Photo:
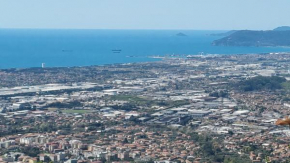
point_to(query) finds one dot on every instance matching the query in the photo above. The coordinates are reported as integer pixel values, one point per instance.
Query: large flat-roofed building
(198, 113)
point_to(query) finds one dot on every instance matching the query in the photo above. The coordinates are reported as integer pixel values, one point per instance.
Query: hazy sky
(145, 14)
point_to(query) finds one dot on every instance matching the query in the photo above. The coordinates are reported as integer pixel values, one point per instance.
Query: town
(199, 108)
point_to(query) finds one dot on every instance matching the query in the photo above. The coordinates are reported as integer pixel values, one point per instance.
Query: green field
(52, 109)
(127, 98)
(148, 102)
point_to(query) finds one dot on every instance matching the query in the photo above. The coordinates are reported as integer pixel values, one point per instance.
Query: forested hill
(255, 38)
(282, 28)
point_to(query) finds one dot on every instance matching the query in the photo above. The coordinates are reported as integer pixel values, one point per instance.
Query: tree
(125, 141)
(30, 151)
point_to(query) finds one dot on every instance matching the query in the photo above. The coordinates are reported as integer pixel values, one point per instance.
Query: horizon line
(173, 29)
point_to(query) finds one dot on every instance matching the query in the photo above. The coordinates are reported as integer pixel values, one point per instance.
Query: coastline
(70, 48)
(158, 58)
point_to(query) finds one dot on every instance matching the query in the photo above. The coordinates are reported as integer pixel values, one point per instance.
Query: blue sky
(145, 14)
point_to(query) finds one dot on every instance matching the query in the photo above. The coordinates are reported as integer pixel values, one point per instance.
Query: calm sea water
(22, 48)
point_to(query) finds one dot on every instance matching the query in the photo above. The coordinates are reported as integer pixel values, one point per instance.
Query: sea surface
(24, 48)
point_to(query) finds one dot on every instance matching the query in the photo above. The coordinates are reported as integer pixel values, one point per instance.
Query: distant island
(278, 37)
(181, 34)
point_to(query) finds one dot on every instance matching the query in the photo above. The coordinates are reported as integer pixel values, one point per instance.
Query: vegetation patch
(262, 83)
(135, 101)
(286, 85)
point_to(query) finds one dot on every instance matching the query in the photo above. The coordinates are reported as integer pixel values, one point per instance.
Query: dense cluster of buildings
(145, 112)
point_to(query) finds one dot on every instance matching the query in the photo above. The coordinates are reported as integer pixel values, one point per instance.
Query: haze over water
(23, 48)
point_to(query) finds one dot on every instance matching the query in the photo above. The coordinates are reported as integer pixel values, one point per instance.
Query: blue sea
(23, 48)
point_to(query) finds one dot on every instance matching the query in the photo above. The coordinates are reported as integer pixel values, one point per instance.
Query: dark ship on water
(116, 50)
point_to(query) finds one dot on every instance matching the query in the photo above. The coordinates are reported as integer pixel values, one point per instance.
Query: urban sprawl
(204, 108)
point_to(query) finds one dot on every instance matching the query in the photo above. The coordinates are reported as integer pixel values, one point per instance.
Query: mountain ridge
(256, 38)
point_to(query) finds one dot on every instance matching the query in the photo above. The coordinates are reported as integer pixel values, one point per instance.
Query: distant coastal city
(202, 108)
